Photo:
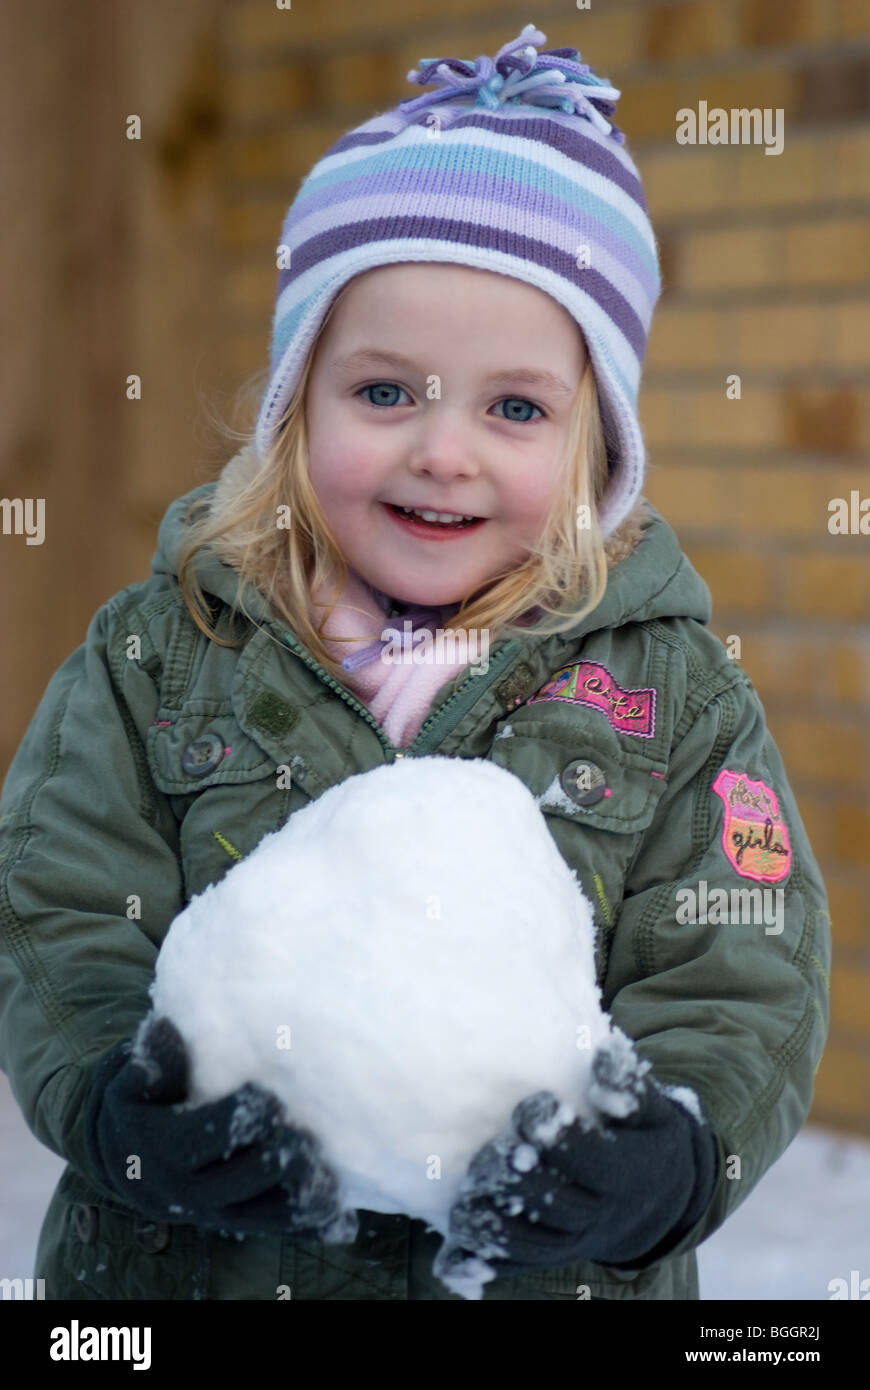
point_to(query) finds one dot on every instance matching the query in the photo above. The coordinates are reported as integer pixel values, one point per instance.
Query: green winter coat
(105, 807)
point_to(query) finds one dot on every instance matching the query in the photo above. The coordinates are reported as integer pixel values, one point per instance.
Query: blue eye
(521, 401)
(381, 386)
(385, 387)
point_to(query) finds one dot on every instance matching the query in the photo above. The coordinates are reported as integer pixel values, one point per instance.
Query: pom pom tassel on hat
(512, 165)
(516, 70)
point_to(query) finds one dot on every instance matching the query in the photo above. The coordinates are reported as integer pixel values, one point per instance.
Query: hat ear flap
(612, 447)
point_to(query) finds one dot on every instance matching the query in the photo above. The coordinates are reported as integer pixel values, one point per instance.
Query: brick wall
(766, 268)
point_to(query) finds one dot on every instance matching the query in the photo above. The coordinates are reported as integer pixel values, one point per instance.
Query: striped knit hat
(514, 166)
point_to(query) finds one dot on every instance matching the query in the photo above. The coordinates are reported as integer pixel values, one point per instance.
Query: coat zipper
(468, 693)
(432, 720)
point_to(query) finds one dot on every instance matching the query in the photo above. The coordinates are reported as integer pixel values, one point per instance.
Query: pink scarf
(397, 693)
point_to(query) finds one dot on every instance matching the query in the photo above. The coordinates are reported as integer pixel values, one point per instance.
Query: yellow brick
(817, 816)
(687, 30)
(648, 109)
(691, 179)
(740, 258)
(835, 252)
(832, 418)
(457, 12)
(852, 825)
(786, 21)
(850, 333)
(853, 18)
(364, 79)
(753, 422)
(849, 902)
(706, 178)
(253, 226)
(656, 415)
(245, 352)
(818, 745)
(685, 337)
(780, 336)
(738, 88)
(706, 419)
(408, 56)
(271, 89)
(850, 990)
(690, 497)
(784, 180)
(728, 326)
(789, 669)
(252, 26)
(837, 481)
(607, 40)
(849, 163)
(777, 665)
(740, 580)
(250, 289)
(864, 418)
(282, 157)
(851, 672)
(254, 156)
(842, 1086)
(778, 502)
(833, 585)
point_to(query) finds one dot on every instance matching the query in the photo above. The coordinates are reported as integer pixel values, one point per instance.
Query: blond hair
(565, 564)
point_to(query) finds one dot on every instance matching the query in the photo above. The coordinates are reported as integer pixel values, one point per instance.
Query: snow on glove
(617, 1192)
(231, 1165)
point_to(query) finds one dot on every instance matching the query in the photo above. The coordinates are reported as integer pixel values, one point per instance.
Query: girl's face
(441, 408)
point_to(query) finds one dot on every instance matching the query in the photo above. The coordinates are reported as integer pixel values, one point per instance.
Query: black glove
(625, 1190)
(231, 1165)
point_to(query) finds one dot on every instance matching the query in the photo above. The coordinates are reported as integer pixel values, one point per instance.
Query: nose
(441, 449)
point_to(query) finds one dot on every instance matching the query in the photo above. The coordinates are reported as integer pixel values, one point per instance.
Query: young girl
(448, 448)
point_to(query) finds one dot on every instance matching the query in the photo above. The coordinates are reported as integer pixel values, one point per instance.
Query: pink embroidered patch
(755, 836)
(590, 683)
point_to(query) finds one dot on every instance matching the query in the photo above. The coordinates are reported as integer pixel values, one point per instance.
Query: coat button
(152, 1236)
(86, 1223)
(584, 782)
(203, 755)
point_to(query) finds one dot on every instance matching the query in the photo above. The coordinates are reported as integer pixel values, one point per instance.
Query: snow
(556, 796)
(401, 977)
(798, 1229)
(685, 1096)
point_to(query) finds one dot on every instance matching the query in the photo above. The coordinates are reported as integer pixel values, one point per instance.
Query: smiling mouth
(406, 514)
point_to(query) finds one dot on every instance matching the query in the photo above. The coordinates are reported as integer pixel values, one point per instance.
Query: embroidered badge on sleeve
(590, 683)
(755, 836)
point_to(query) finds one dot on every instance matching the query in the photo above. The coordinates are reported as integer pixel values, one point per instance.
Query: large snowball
(403, 962)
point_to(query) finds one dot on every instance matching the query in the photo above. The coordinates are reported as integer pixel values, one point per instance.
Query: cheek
(342, 470)
(528, 494)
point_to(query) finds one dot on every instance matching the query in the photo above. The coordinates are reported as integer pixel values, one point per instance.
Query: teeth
(435, 516)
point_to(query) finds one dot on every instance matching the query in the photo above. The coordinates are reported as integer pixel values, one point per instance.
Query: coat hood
(648, 574)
